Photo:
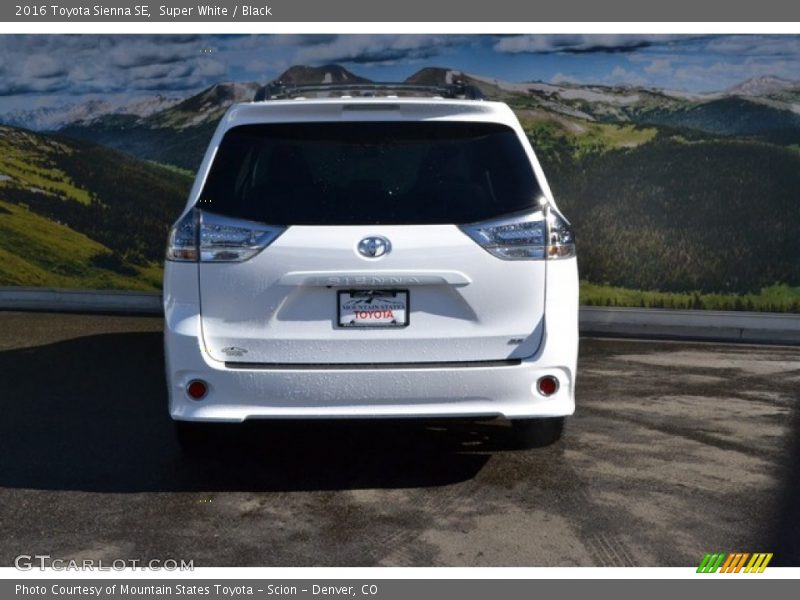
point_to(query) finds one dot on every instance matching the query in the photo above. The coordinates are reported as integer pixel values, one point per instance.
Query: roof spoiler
(277, 90)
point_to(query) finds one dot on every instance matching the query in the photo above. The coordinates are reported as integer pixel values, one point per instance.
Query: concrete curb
(745, 327)
(82, 301)
(728, 326)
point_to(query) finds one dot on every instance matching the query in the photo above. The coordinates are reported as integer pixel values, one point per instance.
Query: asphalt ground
(677, 449)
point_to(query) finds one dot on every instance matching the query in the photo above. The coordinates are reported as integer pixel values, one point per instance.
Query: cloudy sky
(42, 70)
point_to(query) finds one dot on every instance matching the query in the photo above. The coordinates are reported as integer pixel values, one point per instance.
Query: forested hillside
(674, 215)
(81, 215)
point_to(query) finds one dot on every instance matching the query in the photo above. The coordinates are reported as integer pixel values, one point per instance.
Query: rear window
(390, 173)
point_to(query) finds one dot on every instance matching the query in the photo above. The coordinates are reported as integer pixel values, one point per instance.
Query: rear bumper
(236, 394)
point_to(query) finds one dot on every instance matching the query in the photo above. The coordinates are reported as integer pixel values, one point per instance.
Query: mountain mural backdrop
(678, 199)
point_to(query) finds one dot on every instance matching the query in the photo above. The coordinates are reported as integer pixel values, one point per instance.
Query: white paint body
(502, 324)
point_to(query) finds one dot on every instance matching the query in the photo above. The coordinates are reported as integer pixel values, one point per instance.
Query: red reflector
(196, 389)
(547, 385)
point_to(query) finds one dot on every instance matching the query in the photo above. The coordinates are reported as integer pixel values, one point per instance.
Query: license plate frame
(388, 300)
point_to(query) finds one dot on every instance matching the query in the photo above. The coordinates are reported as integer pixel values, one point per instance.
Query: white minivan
(377, 252)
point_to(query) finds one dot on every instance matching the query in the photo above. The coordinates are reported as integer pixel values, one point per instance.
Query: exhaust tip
(197, 389)
(547, 385)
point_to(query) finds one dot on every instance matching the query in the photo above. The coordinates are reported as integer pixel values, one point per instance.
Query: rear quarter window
(357, 173)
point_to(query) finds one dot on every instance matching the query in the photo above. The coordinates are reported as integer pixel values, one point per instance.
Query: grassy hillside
(775, 298)
(75, 214)
(562, 138)
(26, 161)
(35, 251)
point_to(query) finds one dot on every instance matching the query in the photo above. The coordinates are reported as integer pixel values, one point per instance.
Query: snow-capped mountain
(204, 107)
(176, 131)
(304, 75)
(764, 86)
(52, 118)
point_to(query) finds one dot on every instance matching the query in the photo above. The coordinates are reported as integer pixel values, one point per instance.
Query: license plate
(373, 308)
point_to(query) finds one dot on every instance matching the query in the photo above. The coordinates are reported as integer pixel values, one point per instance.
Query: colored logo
(735, 562)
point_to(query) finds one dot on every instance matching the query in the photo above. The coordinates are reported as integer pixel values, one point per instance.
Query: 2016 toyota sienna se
(371, 254)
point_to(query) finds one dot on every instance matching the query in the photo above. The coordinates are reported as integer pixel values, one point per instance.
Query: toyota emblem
(374, 247)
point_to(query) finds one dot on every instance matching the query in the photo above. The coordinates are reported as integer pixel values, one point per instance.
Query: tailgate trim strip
(479, 364)
(374, 278)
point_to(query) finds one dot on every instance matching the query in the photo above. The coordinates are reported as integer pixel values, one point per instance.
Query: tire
(536, 433)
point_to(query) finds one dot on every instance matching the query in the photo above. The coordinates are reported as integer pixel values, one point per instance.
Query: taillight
(214, 238)
(560, 238)
(182, 241)
(536, 235)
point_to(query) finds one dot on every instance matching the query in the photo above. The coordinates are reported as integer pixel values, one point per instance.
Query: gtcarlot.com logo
(27, 562)
(735, 562)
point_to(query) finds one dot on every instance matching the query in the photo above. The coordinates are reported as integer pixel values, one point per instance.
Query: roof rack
(277, 90)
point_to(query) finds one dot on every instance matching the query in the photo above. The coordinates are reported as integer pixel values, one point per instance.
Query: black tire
(536, 433)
